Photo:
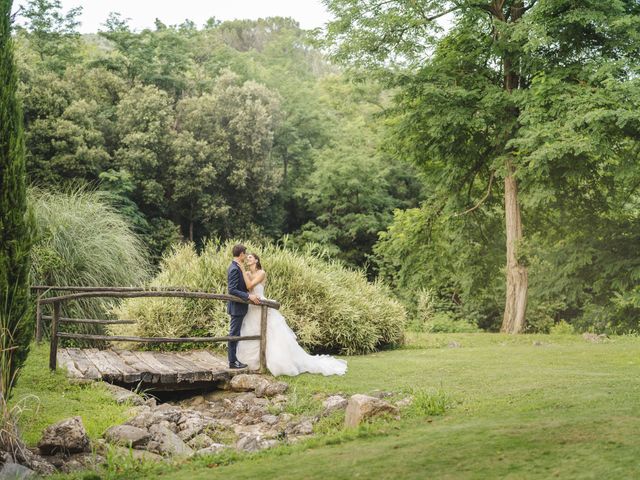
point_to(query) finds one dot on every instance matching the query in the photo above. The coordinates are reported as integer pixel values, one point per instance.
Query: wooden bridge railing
(134, 292)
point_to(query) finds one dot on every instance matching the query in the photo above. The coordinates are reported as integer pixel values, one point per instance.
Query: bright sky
(142, 13)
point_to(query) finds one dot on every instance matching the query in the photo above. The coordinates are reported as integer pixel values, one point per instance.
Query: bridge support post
(53, 352)
(263, 340)
(38, 318)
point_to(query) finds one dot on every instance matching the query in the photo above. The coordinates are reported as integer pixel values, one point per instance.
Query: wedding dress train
(284, 355)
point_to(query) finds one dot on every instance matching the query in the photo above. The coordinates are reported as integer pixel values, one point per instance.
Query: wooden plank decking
(159, 370)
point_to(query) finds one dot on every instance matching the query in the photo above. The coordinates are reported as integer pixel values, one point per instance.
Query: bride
(284, 355)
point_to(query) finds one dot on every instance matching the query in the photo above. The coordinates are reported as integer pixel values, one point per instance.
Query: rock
(167, 413)
(141, 455)
(211, 449)
(269, 419)
(68, 436)
(248, 382)
(381, 394)
(454, 344)
(82, 461)
(194, 402)
(151, 402)
(249, 443)
(247, 430)
(279, 399)
(122, 395)
(190, 426)
(271, 389)
(15, 471)
(127, 435)
(30, 460)
(303, 428)
(164, 442)
(334, 403)
(363, 407)
(200, 442)
(594, 338)
(405, 402)
(252, 443)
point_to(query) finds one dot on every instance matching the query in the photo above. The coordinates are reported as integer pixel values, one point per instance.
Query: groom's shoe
(237, 364)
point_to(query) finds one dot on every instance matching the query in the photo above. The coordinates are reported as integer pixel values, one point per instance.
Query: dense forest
(262, 131)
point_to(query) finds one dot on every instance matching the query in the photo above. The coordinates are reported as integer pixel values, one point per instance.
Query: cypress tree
(16, 319)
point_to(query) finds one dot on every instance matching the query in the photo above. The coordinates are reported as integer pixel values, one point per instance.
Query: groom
(237, 310)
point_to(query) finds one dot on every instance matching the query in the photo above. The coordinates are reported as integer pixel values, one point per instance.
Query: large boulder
(127, 435)
(246, 382)
(364, 407)
(67, 436)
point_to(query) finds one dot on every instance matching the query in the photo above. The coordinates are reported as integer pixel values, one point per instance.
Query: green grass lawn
(564, 408)
(41, 398)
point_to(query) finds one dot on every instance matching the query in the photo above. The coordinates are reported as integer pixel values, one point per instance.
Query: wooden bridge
(149, 369)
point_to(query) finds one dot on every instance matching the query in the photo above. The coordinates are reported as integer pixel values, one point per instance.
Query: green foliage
(562, 328)
(351, 201)
(82, 240)
(329, 307)
(429, 402)
(52, 33)
(209, 133)
(548, 89)
(46, 397)
(16, 223)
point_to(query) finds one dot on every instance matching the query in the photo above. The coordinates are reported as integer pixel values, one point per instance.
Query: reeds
(83, 241)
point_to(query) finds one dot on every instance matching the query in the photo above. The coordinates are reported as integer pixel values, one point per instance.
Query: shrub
(562, 328)
(433, 317)
(444, 322)
(427, 403)
(83, 241)
(331, 308)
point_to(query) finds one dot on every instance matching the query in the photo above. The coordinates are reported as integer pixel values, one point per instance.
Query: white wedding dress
(284, 355)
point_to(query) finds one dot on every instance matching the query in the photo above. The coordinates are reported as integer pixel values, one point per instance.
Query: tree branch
(441, 14)
(482, 200)
(13, 16)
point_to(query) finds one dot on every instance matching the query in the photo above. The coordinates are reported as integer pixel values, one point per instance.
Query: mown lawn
(521, 407)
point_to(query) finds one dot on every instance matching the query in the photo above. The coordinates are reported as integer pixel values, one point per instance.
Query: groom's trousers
(234, 331)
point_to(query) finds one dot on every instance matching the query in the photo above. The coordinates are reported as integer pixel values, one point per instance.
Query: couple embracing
(246, 279)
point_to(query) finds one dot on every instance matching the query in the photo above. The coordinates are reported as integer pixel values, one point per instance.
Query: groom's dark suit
(237, 287)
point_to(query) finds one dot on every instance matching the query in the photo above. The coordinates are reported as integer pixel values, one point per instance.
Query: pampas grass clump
(83, 241)
(331, 308)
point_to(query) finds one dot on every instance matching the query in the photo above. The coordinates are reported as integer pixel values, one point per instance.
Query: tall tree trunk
(517, 275)
(515, 306)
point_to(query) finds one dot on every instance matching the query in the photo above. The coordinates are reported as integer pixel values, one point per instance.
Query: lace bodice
(258, 290)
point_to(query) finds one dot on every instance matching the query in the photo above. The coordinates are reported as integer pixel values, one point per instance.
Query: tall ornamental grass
(83, 241)
(331, 308)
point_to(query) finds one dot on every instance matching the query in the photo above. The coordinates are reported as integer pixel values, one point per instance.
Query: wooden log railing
(135, 292)
(41, 290)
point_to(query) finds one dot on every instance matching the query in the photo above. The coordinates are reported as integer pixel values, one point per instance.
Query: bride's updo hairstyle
(258, 264)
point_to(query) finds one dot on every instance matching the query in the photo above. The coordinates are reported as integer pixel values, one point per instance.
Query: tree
(52, 33)
(464, 95)
(355, 186)
(16, 321)
(146, 117)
